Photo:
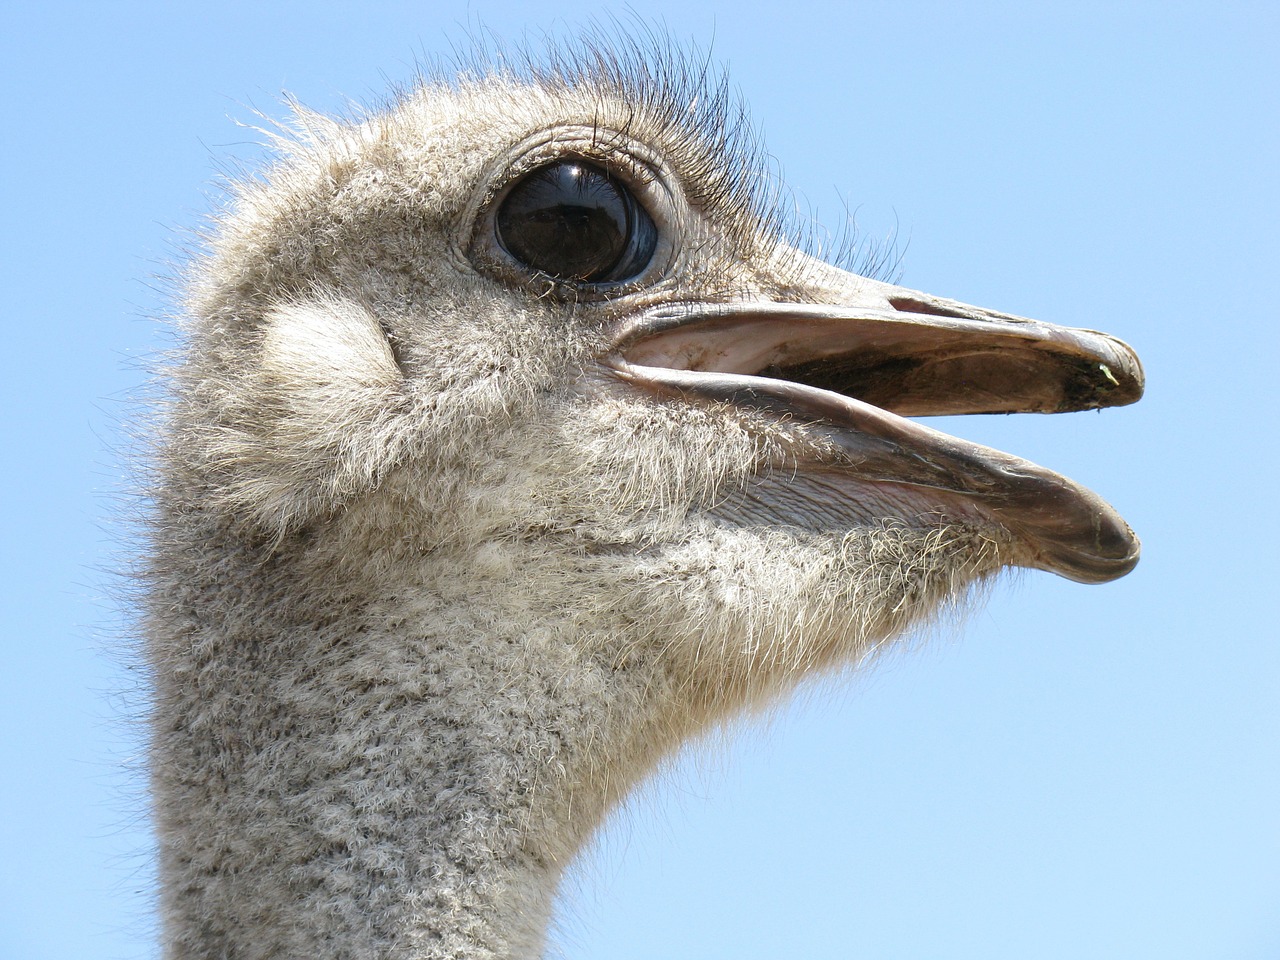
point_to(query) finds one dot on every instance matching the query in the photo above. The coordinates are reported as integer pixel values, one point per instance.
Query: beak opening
(850, 373)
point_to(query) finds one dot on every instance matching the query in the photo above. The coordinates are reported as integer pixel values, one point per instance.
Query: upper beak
(908, 352)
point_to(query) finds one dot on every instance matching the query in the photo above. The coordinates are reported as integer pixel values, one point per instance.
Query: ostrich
(512, 445)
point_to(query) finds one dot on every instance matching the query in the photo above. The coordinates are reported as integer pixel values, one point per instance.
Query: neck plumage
(370, 743)
(403, 775)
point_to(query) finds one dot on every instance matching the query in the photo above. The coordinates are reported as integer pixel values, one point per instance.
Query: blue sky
(1073, 772)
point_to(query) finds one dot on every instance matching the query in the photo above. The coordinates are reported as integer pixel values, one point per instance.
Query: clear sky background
(1076, 772)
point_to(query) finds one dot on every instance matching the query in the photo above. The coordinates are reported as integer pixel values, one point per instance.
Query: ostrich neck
(398, 773)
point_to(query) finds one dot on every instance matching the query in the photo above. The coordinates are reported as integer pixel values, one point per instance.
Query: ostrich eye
(576, 223)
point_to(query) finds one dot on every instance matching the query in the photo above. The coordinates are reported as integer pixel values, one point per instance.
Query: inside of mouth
(923, 385)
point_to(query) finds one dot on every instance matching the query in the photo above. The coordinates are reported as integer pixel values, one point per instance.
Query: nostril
(909, 305)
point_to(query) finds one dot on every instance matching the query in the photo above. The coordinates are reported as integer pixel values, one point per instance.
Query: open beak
(855, 369)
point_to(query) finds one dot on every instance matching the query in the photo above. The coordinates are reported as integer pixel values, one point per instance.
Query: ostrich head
(512, 445)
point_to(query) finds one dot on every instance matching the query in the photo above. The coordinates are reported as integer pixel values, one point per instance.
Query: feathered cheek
(317, 418)
(328, 345)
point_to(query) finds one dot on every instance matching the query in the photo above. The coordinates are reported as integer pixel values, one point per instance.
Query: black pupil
(574, 222)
